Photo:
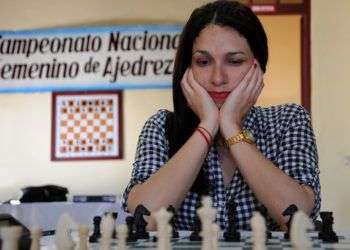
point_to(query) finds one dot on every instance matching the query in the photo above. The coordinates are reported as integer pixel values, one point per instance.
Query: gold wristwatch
(244, 135)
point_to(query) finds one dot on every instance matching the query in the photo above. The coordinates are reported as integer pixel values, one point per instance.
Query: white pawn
(63, 237)
(258, 226)
(10, 237)
(107, 227)
(35, 234)
(206, 214)
(298, 236)
(162, 217)
(83, 237)
(122, 233)
(215, 236)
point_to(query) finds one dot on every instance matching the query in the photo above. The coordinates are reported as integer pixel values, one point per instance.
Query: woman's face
(220, 59)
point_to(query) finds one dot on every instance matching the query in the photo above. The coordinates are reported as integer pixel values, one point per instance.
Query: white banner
(89, 58)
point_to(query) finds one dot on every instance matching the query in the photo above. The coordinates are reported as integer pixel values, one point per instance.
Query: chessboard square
(64, 130)
(70, 123)
(103, 116)
(90, 136)
(76, 129)
(96, 116)
(70, 129)
(110, 115)
(103, 128)
(63, 136)
(103, 135)
(96, 122)
(110, 128)
(103, 122)
(83, 129)
(63, 123)
(76, 136)
(90, 129)
(70, 136)
(70, 116)
(83, 116)
(64, 116)
(83, 123)
(96, 128)
(90, 122)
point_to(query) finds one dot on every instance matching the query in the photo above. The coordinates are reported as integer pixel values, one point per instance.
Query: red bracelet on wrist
(204, 136)
(210, 137)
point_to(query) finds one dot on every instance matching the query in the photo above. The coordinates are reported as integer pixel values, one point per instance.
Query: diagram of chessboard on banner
(86, 125)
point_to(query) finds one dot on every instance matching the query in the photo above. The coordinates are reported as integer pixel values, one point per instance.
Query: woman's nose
(218, 75)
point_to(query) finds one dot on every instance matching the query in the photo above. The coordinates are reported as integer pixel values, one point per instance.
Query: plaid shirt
(283, 134)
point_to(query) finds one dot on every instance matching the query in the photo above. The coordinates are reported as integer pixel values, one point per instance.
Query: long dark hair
(182, 122)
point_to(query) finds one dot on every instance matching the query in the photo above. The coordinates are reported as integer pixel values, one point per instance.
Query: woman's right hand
(200, 102)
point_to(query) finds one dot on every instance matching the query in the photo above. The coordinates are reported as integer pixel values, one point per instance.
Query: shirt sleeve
(298, 152)
(151, 152)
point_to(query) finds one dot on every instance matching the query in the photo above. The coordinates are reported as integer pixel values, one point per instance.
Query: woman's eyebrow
(231, 53)
(204, 52)
(235, 53)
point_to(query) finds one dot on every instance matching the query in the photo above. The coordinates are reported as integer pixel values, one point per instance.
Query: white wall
(331, 102)
(26, 118)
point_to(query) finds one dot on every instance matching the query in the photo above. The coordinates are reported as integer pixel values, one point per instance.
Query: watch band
(243, 135)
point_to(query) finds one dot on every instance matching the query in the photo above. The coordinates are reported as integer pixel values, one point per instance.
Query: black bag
(45, 193)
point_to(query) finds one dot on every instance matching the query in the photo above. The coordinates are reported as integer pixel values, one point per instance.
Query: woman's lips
(219, 95)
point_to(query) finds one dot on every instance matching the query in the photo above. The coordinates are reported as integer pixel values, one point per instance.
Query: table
(46, 214)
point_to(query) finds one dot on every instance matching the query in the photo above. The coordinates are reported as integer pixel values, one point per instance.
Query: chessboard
(277, 242)
(86, 125)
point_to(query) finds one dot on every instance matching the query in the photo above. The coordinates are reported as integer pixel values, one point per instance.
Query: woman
(216, 142)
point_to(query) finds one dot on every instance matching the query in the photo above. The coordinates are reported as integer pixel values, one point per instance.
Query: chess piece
(194, 236)
(83, 237)
(130, 223)
(263, 211)
(35, 234)
(163, 217)
(97, 230)
(301, 223)
(10, 237)
(232, 233)
(107, 227)
(289, 211)
(175, 234)
(215, 236)
(140, 223)
(327, 233)
(63, 237)
(122, 235)
(115, 218)
(258, 226)
(206, 214)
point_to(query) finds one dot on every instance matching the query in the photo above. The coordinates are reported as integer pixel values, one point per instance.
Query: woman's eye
(235, 61)
(202, 62)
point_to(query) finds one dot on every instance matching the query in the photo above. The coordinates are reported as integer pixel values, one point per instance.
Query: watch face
(249, 135)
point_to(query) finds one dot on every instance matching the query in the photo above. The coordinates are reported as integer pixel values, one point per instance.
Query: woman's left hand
(240, 101)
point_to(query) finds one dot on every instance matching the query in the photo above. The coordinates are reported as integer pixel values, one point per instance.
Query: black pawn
(232, 234)
(115, 218)
(97, 230)
(175, 233)
(197, 227)
(140, 223)
(130, 223)
(263, 211)
(289, 211)
(327, 233)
